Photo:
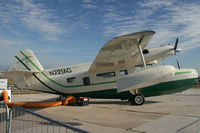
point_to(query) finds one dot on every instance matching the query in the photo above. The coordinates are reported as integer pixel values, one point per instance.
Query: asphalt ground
(175, 113)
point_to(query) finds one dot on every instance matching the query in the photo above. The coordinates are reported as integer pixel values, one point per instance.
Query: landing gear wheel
(138, 99)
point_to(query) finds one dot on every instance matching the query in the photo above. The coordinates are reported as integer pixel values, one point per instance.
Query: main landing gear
(137, 99)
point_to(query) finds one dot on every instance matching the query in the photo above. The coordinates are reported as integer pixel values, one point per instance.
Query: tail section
(25, 60)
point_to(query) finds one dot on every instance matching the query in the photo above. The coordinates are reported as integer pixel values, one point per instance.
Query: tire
(138, 99)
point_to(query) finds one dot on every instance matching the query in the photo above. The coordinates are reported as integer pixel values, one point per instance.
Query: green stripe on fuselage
(185, 72)
(38, 78)
(61, 85)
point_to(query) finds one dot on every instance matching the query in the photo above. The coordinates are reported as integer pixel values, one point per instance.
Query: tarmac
(175, 113)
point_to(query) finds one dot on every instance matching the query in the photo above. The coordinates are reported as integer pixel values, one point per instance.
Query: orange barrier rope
(68, 100)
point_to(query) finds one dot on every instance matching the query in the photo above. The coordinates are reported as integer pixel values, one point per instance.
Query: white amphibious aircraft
(113, 73)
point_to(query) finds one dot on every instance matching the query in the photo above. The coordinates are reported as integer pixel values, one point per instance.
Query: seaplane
(112, 75)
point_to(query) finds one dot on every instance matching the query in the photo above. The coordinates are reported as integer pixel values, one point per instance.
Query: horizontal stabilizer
(11, 74)
(145, 77)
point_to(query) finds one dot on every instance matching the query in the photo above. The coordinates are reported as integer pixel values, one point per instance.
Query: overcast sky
(66, 32)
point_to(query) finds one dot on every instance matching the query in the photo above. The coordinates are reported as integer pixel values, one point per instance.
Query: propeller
(175, 51)
(178, 63)
(175, 46)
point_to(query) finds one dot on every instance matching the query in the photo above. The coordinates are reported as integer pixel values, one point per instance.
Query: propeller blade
(176, 44)
(178, 63)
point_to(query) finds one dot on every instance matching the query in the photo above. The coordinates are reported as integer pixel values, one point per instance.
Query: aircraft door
(86, 81)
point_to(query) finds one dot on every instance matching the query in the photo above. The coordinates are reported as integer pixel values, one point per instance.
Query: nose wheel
(137, 99)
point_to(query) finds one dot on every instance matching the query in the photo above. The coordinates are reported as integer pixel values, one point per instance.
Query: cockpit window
(145, 51)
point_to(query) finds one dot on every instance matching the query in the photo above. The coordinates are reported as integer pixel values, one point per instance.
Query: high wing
(121, 52)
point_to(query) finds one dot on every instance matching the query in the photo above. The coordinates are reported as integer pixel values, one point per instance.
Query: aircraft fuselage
(77, 81)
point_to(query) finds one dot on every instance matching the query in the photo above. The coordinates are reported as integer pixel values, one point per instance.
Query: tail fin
(26, 60)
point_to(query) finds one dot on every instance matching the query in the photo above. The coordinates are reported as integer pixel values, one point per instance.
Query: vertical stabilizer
(26, 60)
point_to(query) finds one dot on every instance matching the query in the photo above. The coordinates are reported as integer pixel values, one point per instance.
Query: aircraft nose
(195, 73)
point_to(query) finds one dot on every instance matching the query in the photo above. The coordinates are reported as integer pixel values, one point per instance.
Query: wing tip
(136, 34)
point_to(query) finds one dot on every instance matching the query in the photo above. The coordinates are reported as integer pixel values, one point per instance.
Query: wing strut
(140, 49)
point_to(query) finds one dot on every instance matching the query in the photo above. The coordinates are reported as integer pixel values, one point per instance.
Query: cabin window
(106, 75)
(138, 67)
(123, 72)
(86, 81)
(145, 51)
(70, 80)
